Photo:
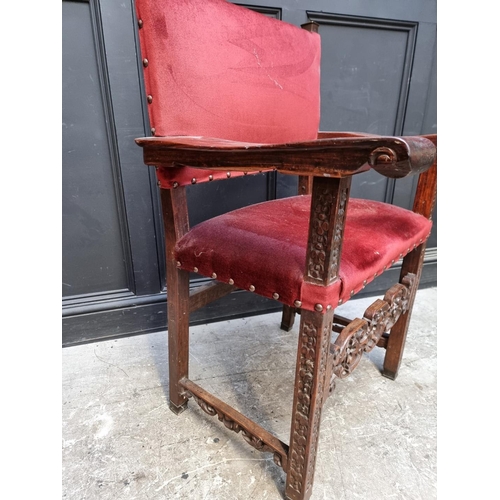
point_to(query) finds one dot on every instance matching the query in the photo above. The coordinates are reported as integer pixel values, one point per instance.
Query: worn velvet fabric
(227, 72)
(264, 246)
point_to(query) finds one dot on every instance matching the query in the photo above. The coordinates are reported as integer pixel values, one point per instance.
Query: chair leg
(287, 318)
(178, 334)
(412, 263)
(310, 387)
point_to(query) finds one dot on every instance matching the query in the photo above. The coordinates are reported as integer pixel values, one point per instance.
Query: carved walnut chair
(232, 92)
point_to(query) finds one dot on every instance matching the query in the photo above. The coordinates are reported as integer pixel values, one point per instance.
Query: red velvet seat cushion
(215, 69)
(264, 246)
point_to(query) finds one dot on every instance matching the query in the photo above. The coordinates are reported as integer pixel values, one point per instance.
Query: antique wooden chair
(232, 92)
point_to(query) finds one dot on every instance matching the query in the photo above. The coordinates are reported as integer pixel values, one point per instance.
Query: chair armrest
(335, 155)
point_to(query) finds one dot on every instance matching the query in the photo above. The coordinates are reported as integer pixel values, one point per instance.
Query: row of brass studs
(194, 180)
(210, 178)
(251, 288)
(317, 307)
(145, 63)
(383, 269)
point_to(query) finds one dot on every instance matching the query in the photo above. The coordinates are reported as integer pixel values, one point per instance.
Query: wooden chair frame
(325, 167)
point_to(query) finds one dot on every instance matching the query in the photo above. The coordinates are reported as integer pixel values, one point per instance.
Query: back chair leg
(412, 263)
(287, 318)
(175, 225)
(178, 335)
(311, 385)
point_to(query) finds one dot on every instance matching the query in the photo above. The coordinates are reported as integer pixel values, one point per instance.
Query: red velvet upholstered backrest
(215, 69)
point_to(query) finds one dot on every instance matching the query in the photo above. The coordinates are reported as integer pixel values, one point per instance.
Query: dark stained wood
(305, 184)
(205, 294)
(175, 216)
(326, 229)
(383, 341)
(362, 335)
(331, 135)
(309, 395)
(341, 320)
(287, 318)
(253, 433)
(412, 263)
(178, 333)
(394, 157)
(425, 196)
(312, 26)
(425, 199)
(176, 224)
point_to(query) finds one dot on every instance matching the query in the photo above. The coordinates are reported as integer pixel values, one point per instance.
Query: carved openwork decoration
(229, 423)
(319, 242)
(362, 335)
(306, 417)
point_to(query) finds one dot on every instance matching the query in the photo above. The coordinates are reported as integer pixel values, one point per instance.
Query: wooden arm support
(334, 154)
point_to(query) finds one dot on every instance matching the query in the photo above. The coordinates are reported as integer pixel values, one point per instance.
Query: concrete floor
(121, 442)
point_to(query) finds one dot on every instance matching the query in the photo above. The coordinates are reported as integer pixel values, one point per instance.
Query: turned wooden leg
(287, 318)
(310, 384)
(412, 263)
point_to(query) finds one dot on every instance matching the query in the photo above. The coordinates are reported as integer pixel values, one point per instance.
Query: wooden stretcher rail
(252, 433)
(208, 293)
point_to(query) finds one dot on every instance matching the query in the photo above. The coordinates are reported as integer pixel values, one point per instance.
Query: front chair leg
(178, 334)
(310, 384)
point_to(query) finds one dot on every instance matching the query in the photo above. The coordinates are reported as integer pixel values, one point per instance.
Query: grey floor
(120, 440)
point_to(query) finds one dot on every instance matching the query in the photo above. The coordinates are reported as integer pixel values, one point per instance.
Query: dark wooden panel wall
(378, 76)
